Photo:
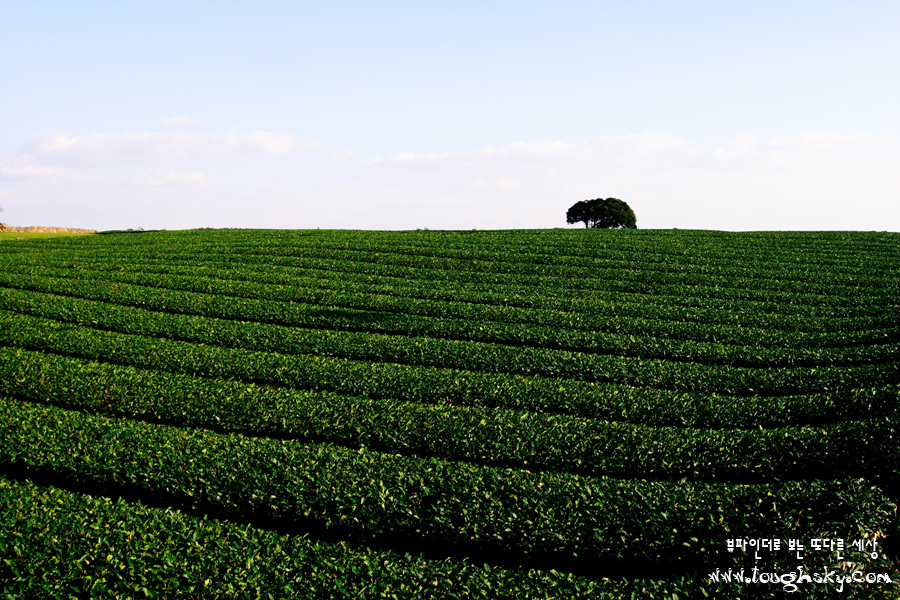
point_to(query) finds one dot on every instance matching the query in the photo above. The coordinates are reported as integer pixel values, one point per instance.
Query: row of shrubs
(424, 350)
(544, 520)
(434, 385)
(845, 294)
(519, 337)
(535, 326)
(536, 441)
(57, 543)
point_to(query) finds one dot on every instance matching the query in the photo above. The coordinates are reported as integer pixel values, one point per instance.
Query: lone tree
(611, 213)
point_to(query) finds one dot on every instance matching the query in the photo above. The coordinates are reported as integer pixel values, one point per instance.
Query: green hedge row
(484, 435)
(702, 309)
(706, 309)
(59, 544)
(772, 250)
(636, 274)
(520, 304)
(368, 497)
(662, 293)
(296, 314)
(429, 351)
(869, 276)
(750, 327)
(441, 385)
(521, 259)
(529, 259)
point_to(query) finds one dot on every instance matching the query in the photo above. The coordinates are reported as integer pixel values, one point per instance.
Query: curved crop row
(669, 270)
(367, 299)
(56, 543)
(652, 373)
(484, 435)
(666, 293)
(634, 273)
(539, 258)
(517, 301)
(433, 385)
(369, 497)
(461, 326)
(420, 350)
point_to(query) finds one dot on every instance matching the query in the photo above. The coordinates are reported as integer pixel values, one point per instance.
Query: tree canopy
(611, 213)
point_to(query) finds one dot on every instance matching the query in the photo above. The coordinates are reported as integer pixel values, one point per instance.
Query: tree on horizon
(611, 213)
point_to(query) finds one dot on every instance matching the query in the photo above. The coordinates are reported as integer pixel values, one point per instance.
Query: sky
(739, 115)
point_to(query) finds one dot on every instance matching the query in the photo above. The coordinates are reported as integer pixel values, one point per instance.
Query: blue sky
(400, 115)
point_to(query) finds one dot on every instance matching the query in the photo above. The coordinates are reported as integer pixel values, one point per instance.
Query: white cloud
(651, 153)
(634, 149)
(171, 178)
(99, 149)
(743, 183)
(833, 151)
(341, 156)
(25, 167)
(180, 121)
(264, 142)
(791, 182)
(313, 146)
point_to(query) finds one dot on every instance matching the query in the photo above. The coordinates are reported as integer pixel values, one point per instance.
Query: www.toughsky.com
(793, 579)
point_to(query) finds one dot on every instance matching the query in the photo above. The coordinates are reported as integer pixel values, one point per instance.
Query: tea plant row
(491, 304)
(442, 385)
(485, 435)
(606, 336)
(546, 519)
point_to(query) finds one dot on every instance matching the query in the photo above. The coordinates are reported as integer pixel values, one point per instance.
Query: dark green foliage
(609, 407)
(60, 544)
(611, 213)
(482, 435)
(854, 397)
(367, 496)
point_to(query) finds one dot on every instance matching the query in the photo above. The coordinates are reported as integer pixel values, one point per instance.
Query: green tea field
(570, 413)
